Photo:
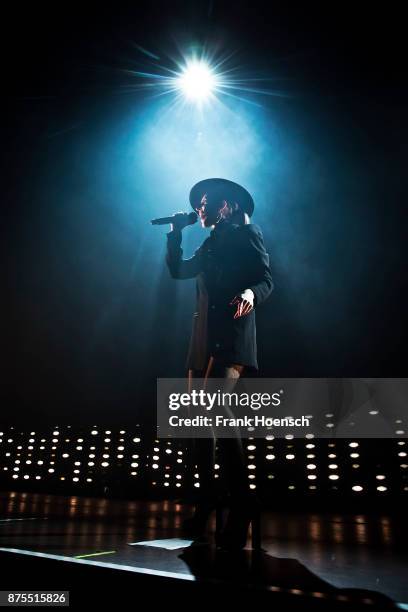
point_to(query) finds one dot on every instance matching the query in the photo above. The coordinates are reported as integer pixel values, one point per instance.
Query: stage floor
(314, 553)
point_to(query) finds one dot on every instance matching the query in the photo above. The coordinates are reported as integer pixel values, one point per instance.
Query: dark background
(90, 316)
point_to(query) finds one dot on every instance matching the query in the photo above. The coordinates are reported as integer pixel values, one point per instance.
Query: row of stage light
(85, 458)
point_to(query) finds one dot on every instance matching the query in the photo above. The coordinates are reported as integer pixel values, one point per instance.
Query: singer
(233, 279)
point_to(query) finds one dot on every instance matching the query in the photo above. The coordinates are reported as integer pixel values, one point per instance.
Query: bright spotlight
(197, 81)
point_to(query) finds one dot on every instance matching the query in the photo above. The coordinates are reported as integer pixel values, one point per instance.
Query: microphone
(190, 219)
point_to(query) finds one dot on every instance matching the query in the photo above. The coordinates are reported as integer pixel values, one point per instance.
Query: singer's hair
(237, 216)
(240, 217)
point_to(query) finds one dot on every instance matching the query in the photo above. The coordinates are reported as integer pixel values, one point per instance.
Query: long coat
(233, 258)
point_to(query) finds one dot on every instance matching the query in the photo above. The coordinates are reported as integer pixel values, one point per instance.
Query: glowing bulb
(197, 82)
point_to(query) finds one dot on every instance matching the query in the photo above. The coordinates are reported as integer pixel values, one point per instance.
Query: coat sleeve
(260, 267)
(179, 267)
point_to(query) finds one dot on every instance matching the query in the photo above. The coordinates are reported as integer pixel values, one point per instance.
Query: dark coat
(233, 258)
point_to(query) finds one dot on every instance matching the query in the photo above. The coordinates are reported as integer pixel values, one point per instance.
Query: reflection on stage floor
(314, 553)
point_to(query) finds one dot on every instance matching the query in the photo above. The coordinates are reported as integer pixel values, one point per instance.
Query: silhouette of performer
(233, 278)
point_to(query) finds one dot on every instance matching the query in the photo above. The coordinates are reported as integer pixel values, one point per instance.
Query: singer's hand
(245, 303)
(181, 220)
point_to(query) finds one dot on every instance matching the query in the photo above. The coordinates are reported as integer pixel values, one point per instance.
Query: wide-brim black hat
(226, 190)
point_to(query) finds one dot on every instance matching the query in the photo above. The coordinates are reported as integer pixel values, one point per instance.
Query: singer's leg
(230, 450)
(203, 452)
(202, 459)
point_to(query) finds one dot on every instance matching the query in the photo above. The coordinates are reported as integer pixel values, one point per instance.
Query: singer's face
(209, 210)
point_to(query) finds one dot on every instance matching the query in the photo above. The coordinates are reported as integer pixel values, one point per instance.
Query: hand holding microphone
(178, 220)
